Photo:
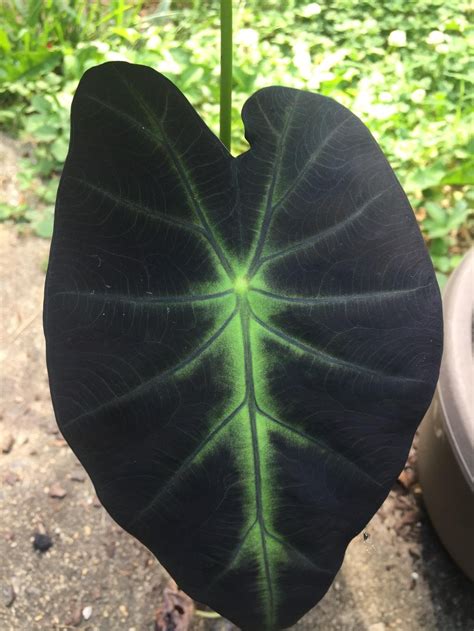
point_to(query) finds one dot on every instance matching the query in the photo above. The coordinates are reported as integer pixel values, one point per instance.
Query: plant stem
(226, 73)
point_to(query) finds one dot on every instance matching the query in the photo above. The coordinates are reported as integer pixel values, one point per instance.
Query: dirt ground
(95, 577)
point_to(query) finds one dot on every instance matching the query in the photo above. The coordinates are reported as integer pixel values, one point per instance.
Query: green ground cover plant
(403, 67)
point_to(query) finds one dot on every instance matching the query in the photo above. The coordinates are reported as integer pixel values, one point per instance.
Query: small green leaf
(44, 227)
(59, 149)
(426, 178)
(462, 175)
(436, 212)
(7, 211)
(41, 104)
(4, 41)
(442, 279)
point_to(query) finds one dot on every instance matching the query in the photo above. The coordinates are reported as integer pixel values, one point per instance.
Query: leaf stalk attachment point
(241, 285)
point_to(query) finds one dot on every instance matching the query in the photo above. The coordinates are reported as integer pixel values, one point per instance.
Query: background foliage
(402, 66)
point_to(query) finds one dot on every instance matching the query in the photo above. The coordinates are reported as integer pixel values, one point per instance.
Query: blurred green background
(401, 65)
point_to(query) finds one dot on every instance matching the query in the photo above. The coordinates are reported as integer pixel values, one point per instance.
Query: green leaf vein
(325, 358)
(323, 448)
(183, 468)
(157, 379)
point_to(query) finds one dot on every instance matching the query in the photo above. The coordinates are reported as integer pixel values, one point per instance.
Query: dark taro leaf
(239, 349)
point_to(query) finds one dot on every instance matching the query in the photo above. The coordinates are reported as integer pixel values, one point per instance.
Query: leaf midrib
(252, 409)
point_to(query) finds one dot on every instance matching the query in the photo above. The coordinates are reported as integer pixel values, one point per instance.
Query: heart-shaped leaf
(239, 349)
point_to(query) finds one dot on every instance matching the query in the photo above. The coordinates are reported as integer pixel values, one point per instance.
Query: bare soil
(95, 577)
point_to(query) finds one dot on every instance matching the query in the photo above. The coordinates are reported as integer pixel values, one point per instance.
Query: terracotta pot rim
(457, 371)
